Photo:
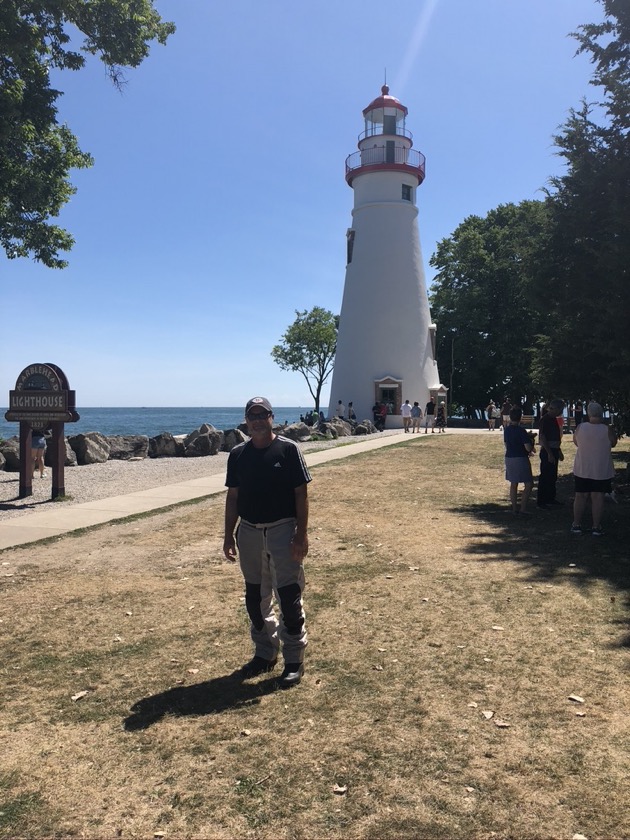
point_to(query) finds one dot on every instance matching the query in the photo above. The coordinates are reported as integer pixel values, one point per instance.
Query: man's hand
(299, 548)
(560, 454)
(229, 549)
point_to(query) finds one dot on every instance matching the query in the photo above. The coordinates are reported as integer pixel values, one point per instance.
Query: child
(518, 470)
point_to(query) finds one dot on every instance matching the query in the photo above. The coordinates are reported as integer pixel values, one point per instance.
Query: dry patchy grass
(415, 562)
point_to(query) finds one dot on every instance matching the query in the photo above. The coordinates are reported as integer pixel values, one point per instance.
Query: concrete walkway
(60, 519)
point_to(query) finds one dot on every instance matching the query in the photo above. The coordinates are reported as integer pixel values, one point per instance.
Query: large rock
(126, 447)
(365, 427)
(296, 431)
(327, 431)
(11, 450)
(70, 460)
(232, 438)
(165, 445)
(343, 428)
(90, 448)
(206, 440)
(3, 461)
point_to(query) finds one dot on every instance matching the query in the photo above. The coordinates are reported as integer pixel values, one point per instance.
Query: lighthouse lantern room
(386, 341)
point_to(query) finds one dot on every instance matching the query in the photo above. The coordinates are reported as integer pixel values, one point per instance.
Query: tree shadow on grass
(206, 698)
(543, 544)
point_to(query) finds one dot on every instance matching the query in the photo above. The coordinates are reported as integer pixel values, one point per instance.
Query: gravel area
(115, 478)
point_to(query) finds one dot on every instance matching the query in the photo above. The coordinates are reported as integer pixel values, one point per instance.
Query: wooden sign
(42, 400)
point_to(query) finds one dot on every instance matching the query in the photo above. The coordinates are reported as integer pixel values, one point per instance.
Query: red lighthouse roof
(385, 101)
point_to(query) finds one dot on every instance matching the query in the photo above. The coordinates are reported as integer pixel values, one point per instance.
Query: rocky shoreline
(118, 477)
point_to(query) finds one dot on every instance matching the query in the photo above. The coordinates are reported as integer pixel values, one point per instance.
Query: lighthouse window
(389, 124)
(406, 192)
(350, 242)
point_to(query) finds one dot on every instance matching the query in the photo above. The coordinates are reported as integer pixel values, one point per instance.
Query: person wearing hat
(267, 480)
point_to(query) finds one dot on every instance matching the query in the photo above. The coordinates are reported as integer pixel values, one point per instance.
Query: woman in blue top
(518, 470)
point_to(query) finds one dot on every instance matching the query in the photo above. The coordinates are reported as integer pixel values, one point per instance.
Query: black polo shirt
(550, 429)
(266, 479)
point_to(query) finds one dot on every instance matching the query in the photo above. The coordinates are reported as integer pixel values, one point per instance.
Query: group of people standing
(434, 416)
(593, 467)
(500, 413)
(412, 415)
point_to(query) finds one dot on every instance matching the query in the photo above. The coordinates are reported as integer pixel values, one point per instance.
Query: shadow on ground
(24, 504)
(206, 698)
(545, 546)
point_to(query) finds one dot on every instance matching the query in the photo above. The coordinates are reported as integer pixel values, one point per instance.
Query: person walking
(429, 415)
(593, 468)
(518, 469)
(440, 418)
(38, 452)
(416, 417)
(405, 410)
(550, 439)
(267, 481)
(505, 412)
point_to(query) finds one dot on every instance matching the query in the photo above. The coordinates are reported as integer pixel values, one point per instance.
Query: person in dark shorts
(267, 480)
(593, 468)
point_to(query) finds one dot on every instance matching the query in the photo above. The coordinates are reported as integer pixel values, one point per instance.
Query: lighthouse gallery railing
(382, 155)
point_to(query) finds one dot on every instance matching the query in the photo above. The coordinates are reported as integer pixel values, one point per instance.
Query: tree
(482, 300)
(36, 152)
(309, 346)
(585, 351)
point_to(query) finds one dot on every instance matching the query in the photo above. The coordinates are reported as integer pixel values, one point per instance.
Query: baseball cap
(258, 401)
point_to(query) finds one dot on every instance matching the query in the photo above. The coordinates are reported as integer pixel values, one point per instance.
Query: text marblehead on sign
(41, 397)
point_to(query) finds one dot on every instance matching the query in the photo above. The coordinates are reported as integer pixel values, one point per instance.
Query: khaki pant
(266, 563)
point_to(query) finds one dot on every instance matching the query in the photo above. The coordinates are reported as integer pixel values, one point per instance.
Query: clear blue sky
(217, 204)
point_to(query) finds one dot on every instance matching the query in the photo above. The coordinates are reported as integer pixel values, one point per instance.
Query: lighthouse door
(390, 151)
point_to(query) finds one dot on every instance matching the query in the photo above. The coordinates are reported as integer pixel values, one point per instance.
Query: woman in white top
(593, 468)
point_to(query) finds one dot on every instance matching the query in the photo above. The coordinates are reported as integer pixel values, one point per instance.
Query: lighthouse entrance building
(386, 341)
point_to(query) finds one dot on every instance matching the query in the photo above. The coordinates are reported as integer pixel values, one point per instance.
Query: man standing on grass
(549, 438)
(416, 417)
(405, 410)
(267, 482)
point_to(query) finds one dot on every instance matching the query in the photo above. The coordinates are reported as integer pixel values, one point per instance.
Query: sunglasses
(258, 415)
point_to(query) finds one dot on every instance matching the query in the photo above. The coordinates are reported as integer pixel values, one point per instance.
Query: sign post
(42, 400)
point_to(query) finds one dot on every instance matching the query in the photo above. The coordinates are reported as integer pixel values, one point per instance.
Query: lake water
(152, 421)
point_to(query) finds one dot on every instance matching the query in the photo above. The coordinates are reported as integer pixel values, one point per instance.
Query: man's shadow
(204, 698)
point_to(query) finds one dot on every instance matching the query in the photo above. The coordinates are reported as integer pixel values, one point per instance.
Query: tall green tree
(584, 350)
(308, 347)
(482, 301)
(36, 151)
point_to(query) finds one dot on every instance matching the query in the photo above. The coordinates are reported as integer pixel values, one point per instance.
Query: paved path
(60, 519)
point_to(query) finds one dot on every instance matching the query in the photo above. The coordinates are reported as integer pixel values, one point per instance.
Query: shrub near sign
(42, 400)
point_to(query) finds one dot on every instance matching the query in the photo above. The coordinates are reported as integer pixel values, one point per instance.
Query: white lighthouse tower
(386, 341)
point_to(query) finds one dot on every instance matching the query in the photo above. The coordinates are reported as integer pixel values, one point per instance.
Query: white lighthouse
(386, 341)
